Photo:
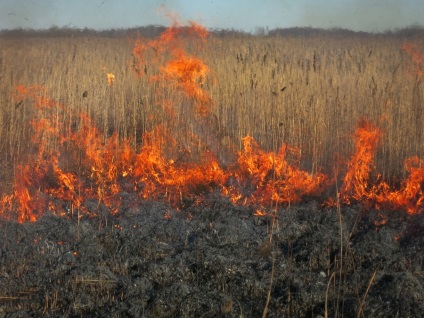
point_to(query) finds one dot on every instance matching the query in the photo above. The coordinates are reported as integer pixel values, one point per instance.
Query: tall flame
(361, 187)
(356, 183)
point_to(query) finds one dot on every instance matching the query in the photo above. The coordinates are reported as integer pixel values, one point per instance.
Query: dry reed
(308, 92)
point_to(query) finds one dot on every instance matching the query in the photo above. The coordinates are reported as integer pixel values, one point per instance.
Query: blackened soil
(214, 260)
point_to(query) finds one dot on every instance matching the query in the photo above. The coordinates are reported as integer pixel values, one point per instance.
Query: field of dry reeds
(308, 91)
(102, 130)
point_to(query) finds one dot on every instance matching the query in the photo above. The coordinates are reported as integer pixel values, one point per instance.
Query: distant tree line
(151, 31)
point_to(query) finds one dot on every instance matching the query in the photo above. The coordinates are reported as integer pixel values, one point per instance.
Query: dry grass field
(307, 91)
(185, 174)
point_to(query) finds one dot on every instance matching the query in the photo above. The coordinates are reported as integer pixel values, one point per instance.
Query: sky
(246, 15)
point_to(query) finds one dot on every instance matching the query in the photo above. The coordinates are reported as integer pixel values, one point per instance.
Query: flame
(43, 185)
(110, 78)
(356, 183)
(268, 177)
(410, 196)
(260, 212)
(359, 186)
(170, 42)
(188, 73)
(72, 161)
(159, 177)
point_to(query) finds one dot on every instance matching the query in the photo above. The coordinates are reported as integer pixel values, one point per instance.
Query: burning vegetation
(70, 161)
(167, 207)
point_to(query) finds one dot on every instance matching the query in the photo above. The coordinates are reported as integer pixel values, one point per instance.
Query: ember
(110, 78)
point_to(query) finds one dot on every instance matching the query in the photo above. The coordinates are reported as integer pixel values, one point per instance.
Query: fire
(164, 178)
(356, 183)
(43, 185)
(97, 167)
(267, 177)
(359, 186)
(411, 194)
(72, 161)
(188, 73)
(260, 212)
(110, 78)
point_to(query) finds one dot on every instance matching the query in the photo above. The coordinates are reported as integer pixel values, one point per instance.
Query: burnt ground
(214, 260)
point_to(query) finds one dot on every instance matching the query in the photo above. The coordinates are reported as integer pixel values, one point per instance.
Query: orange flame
(110, 78)
(270, 178)
(164, 178)
(189, 73)
(169, 41)
(359, 186)
(411, 194)
(260, 212)
(43, 185)
(186, 72)
(356, 181)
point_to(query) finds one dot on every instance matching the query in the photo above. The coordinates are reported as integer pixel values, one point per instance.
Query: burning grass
(101, 169)
(362, 184)
(173, 219)
(71, 160)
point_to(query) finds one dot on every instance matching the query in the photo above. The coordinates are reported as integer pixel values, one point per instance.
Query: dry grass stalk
(306, 92)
